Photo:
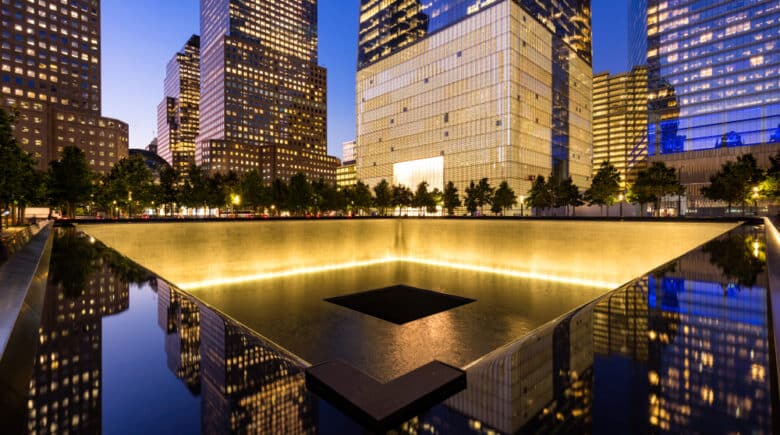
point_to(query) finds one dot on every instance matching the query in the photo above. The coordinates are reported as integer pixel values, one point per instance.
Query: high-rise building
(458, 90)
(50, 76)
(263, 101)
(348, 151)
(177, 114)
(620, 122)
(712, 72)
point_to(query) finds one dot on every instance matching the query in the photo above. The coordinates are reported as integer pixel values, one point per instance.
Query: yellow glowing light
(391, 259)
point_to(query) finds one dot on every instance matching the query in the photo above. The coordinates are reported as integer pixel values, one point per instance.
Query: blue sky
(140, 36)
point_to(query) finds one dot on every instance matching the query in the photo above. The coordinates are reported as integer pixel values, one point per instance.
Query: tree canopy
(654, 183)
(735, 181)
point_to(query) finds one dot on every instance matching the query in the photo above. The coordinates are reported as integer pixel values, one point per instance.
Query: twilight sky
(141, 36)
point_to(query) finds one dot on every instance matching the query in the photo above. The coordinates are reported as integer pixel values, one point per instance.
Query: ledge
(23, 282)
(383, 406)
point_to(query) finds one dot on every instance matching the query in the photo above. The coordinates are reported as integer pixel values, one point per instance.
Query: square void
(400, 304)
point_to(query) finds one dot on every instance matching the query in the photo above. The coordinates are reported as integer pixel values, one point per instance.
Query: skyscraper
(712, 72)
(464, 89)
(50, 76)
(620, 122)
(177, 114)
(263, 104)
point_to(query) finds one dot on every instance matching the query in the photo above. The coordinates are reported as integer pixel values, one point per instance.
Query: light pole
(621, 197)
(236, 200)
(522, 211)
(755, 200)
(129, 204)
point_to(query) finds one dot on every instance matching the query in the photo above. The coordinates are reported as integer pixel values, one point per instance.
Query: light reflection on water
(682, 349)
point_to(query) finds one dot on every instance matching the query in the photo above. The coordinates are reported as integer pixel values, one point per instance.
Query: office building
(263, 101)
(50, 75)
(460, 90)
(712, 72)
(346, 173)
(178, 112)
(620, 122)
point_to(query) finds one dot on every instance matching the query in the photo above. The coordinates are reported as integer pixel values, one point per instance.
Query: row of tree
(651, 185)
(741, 181)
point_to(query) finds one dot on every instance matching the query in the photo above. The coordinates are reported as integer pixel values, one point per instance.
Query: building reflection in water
(83, 287)
(245, 383)
(686, 348)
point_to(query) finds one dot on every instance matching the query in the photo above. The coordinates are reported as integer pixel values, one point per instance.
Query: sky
(141, 36)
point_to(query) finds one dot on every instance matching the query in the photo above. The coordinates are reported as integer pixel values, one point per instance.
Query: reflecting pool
(683, 348)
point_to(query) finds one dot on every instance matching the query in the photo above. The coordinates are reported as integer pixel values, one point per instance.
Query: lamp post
(621, 197)
(236, 200)
(755, 200)
(130, 204)
(522, 201)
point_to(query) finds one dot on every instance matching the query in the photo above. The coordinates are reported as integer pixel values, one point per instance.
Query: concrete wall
(596, 253)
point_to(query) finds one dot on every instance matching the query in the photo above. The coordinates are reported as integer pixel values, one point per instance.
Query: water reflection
(670, 352)
(65, 388)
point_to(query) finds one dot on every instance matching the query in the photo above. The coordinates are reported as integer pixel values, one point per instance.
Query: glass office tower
(178, 113)
(712, 72)
(458, 90)
(262, 103)
(620, 122)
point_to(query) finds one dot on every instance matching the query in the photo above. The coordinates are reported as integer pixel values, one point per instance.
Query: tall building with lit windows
(458, 90)
(177, 113)
(50, 76)
(263, 101)
(620, 122)
(712, 72)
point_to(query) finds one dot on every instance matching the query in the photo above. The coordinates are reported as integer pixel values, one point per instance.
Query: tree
(359, 198)
(402, 196)
(605, 187)
(383, 197)
(168, 190)
(300, 195)
(654, 183)
(539, 197)
(484, 194)
(129, 183)
(450, 198)
(255, 194)
(566, 193)
(472, 192)
(503, 199)
(423, 200)
(735, 181)
(436, 197)
(70, 180)
(279, 192)
(770, 187)
(16, 172)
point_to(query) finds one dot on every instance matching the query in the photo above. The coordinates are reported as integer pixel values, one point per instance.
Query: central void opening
(400, 304)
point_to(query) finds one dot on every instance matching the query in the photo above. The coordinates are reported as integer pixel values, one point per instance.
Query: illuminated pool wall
(605, 254)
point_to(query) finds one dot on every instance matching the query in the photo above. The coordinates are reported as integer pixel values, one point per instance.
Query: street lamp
(129, 204)
(755, 200)
(621, 197)
(236, 200)
(522, 202)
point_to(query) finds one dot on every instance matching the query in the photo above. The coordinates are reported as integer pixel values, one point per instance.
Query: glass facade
(388, 26)
(713, 69)
(178, 113)
(263, 100)
(50, 75)
(620, 122)
(501, 94)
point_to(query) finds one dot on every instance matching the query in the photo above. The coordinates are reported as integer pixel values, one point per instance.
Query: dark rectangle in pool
(400, 304)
